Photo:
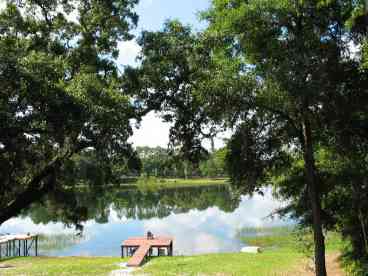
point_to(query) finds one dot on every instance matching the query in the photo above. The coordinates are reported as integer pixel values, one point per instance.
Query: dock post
(36, 246)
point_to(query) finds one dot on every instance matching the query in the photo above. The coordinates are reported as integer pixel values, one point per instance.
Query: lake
(201, 219)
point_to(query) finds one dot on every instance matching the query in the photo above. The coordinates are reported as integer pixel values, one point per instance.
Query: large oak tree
(300, 54)
(60, 91)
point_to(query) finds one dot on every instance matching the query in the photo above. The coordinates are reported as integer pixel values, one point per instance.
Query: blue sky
(153, 13)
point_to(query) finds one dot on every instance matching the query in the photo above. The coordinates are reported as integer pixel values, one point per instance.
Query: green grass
(269, 238)
(286, 237)
(56, 266)
(242, 264)
(166, 183)
(264, 264)
(281, 255)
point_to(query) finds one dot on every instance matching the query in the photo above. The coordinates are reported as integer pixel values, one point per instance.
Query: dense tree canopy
(60, 91)
(168, 80)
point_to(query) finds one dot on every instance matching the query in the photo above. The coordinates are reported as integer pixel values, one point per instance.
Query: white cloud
(22, 225)
(2, 4)
(152, 132)
(129, 51)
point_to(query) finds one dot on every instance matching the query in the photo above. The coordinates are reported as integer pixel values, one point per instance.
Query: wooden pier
(140, 248)
(18, 245)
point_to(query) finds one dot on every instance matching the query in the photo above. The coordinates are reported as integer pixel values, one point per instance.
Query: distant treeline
(160, 162)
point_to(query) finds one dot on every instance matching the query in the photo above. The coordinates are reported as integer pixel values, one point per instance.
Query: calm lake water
(201, 220)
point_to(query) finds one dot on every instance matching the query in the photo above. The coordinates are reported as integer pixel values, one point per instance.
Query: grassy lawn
(234, 264)
(192, 182)
(282, 255)
(55, 266)
(279, 256)
(242, 264)
(165, 183)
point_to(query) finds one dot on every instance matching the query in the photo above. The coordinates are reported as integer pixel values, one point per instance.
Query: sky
(152, 15)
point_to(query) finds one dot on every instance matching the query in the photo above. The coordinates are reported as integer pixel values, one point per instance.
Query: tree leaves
(61, 90)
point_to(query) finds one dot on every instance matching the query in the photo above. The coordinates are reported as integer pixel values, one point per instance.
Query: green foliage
(343, 194)
(355, 267)
(160, 162)
(157, 162)
(285, 85)
(305, 242)
(215, 165)
(61, 91)
(171, 66)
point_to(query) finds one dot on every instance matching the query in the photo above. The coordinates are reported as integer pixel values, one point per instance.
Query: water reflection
(202, 220)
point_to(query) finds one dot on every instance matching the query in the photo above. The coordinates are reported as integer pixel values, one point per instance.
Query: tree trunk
(36, 189)
(185, 170)
(314, 197)
(364, 232)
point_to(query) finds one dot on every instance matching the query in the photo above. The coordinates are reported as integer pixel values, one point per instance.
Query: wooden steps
(139, 255)
(143, 246)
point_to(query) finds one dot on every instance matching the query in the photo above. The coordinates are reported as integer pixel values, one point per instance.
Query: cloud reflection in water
(195, 232)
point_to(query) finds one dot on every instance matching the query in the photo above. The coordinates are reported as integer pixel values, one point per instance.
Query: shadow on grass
(4, 265)
(2, 260)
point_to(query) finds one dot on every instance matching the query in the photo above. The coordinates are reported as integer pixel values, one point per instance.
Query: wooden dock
(141, 247)
(18, 245)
